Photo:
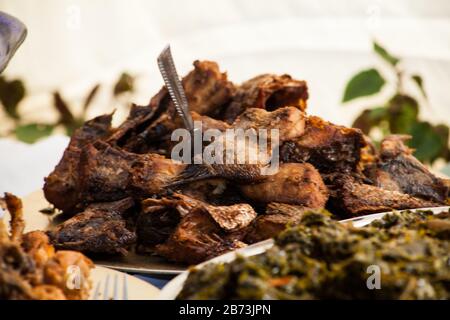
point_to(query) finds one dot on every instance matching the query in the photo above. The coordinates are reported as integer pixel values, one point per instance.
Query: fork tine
(97, 291)
(106, 289)
(125, 288)
(116, 288)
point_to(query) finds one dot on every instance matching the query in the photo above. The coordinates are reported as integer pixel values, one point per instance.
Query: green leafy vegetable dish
(401, 256)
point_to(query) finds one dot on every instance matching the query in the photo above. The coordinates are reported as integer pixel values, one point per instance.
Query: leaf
(11, 93)
(365, 83)
(124, 84)
(32, 132)
(427, 142)
(386, 56)
(65, 115)
(403, 113)
(90, 97)
(419, 81)
(370, 118)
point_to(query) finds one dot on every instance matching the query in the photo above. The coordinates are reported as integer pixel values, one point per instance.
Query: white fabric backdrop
(73, 44)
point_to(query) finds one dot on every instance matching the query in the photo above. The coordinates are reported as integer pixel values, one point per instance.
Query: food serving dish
(174, 287)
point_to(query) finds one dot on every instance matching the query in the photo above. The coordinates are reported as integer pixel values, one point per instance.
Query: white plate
(173, 288)
(136, 289)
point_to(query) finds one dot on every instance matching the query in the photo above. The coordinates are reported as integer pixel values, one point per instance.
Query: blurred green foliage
(400, 113)
(12, 93)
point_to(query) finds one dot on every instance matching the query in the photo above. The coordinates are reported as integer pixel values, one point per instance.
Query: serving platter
(173, 288)
(147, 264)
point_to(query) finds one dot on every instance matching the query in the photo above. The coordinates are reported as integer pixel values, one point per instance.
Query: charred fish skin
(407, 173)
(190, 230)
(61, 187)
(351, 197)
(276, 218)
(100, 228)
(328, 147)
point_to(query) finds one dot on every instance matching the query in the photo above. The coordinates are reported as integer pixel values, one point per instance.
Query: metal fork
(176, 91)
(175, 87)
(107, 294)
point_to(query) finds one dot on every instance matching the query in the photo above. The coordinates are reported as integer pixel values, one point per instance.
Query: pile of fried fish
(402, 256)
(120, 190)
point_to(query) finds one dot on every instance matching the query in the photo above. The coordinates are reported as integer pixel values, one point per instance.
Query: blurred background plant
(400, 113)
(12, 92)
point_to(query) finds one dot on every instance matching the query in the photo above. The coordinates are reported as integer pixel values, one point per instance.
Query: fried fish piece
(156, 222)
(160, 217)
(351, 197)
(100, 228)
(289, 121)
(228, 217)
(328, 147)
(138, 118)
(61, 187)
(242, 156)
(209, 123)
(207, 89)
(197, 238)
(398, 170)
(294, 183)
(267, 91)
(275, 219)
(108, 174)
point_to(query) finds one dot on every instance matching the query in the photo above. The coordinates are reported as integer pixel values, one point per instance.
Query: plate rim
(140, 270)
